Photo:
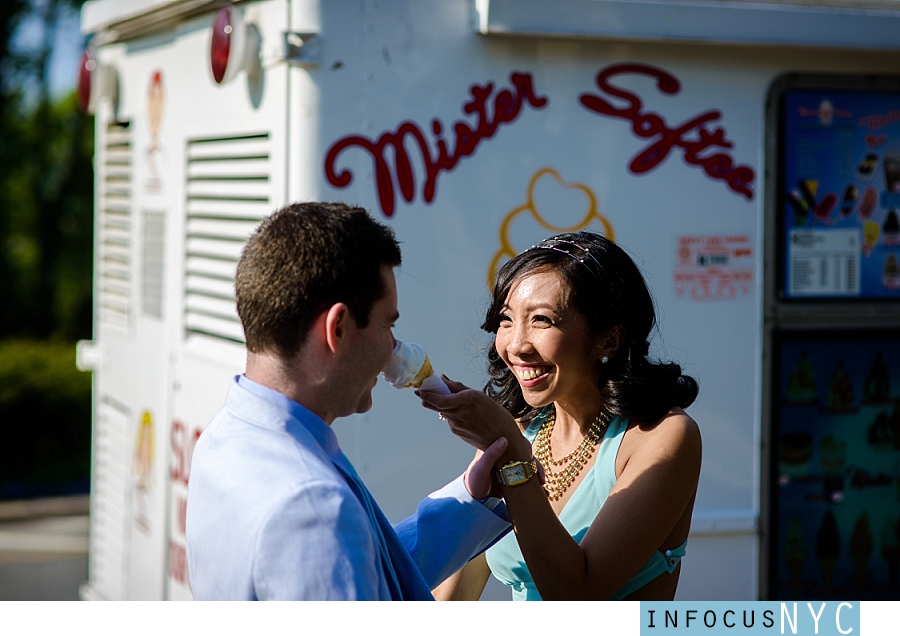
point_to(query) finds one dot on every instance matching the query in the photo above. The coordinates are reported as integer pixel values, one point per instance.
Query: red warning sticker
(717, 267)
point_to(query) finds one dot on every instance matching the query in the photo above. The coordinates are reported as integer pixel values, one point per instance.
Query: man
(275, 509)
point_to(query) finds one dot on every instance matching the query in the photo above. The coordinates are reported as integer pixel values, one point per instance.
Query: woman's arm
(648, 505)
(658, 469)
(467, 584)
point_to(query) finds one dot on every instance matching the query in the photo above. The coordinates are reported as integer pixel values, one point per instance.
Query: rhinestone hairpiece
(554, 244)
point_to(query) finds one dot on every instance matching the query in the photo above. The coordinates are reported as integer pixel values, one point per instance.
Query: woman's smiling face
(547, 343)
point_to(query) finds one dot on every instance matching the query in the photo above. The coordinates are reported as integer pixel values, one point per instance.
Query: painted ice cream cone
(410, 367)
(828, 548)
(861, 546)
(859, 572)
(833, 455)
(827, 568)
(794, 554)
(890, 552)
(795, 568)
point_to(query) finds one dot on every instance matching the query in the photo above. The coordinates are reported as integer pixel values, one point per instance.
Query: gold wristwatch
(515, 473)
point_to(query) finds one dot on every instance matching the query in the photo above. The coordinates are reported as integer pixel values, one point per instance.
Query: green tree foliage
(48, 224)
(46, 184)
(46, 237)
(45, 415)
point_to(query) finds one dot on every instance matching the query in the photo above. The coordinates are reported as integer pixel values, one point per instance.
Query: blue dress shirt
(276, 511)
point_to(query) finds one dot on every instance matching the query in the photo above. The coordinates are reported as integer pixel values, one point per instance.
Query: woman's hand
(478, 420)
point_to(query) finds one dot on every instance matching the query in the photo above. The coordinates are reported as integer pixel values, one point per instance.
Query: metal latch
(304, 49)
(87, 355)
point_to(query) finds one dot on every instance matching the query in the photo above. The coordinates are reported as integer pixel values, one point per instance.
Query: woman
(620, 458)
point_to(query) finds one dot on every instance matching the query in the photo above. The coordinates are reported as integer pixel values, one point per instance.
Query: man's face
(370, 347)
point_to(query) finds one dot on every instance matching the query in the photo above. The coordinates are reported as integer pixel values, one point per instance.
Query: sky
(66, 56)
(66, 53)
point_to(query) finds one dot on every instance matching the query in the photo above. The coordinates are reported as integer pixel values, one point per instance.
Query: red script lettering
(507, 105)
(702, 145)
(182, 444)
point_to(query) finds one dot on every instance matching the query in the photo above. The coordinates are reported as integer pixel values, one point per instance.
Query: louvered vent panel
(228, 193)
(110, 500)
(114, 270)
(153, 264)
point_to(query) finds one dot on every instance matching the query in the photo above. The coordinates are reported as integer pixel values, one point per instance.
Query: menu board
(839, 196)
(835, 490)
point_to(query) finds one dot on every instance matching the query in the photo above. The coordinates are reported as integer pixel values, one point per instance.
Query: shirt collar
(314, 424)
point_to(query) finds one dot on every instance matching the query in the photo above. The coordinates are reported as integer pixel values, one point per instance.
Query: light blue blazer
(269, 515)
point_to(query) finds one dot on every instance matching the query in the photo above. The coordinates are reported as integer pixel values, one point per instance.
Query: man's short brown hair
(303, 259)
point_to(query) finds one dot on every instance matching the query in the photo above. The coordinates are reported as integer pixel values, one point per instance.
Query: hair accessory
(604, 359)
(560, 245)
(557, 482)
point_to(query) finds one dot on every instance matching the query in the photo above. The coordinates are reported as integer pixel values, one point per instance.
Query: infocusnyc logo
(761, 618)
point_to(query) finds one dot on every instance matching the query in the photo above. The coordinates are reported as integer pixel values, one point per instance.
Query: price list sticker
(824, 262)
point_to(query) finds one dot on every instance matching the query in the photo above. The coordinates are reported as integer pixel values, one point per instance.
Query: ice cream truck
(746, 154)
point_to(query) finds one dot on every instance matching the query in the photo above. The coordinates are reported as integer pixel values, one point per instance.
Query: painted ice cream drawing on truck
(744, 154)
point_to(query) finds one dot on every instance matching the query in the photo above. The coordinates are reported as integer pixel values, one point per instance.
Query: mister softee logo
(703, 143)
(814, 618)
(506, 108)
(408, 155)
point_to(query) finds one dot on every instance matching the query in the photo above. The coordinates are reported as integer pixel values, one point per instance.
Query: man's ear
(336, 321)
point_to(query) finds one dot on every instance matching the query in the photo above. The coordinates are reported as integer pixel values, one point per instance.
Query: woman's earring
(604, 359)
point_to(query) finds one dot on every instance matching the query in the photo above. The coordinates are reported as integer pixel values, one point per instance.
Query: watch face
(516, 473)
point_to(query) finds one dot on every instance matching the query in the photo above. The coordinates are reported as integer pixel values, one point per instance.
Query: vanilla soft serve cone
(409, 367)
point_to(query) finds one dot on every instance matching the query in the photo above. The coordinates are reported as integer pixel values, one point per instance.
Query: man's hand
(479, 479)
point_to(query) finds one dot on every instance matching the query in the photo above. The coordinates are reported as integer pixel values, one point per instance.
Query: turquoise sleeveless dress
(505, 558)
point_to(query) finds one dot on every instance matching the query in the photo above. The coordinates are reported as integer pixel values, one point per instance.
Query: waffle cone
(859, 569)
(423, 373)
(795, 567)
(827, 566)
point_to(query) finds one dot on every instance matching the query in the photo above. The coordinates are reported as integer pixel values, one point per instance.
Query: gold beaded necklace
(557, 482)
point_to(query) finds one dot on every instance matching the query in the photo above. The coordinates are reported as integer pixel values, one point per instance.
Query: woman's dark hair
(605, 286)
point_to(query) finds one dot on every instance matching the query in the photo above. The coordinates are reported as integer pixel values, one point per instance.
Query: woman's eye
(504, 318)
(543, 320)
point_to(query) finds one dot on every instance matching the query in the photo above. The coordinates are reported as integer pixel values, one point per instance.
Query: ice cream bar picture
(870, 198)
(848, 201)
(867, 166)
(892, 173)
(825, 206)
(409, 367)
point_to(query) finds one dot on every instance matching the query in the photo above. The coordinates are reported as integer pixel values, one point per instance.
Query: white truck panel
(210, 161)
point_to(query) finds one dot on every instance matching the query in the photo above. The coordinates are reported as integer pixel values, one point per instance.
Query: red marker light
(85, 79)
(220, 47)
